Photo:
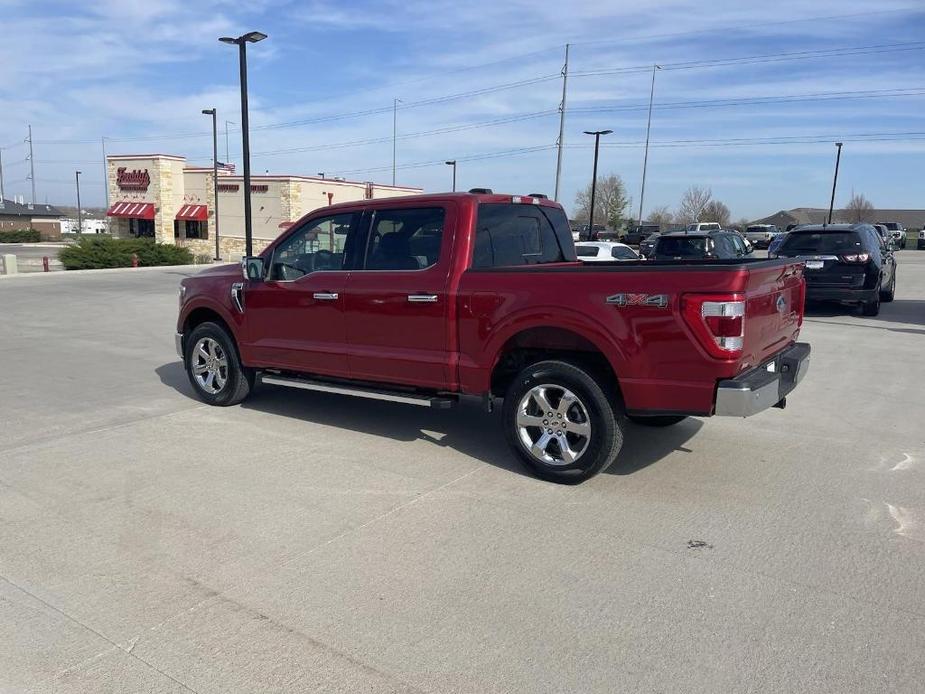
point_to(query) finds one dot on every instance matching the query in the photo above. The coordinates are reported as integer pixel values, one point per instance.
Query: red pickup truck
(429, 298)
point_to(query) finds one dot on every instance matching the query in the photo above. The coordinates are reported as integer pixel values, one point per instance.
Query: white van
(703, 226)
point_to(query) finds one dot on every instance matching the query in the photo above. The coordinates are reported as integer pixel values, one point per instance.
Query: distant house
(910, 219)
(46, 219)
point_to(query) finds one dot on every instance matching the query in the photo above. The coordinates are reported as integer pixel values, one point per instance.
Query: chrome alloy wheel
(553, 424)
(210, 365)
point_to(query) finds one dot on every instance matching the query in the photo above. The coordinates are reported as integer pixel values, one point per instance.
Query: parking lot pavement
(310, 542)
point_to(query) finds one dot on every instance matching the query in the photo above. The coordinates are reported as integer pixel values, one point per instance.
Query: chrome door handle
(422, 298)
(325, 296)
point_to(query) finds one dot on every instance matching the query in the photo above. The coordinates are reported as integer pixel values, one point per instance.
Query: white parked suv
(920, 243)
(761, 235)
(898, 232)
(697, 227)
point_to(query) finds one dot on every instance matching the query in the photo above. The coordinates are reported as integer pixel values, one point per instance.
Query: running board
(440, 402)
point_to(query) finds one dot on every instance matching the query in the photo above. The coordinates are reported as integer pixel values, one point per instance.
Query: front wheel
(560, 423)
(213, 367)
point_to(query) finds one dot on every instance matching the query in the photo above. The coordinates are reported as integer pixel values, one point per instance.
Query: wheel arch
(541, 342)
(205, 313)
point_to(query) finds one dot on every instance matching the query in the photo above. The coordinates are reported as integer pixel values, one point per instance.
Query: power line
(764, 58)
(442, 162)
(770, 140)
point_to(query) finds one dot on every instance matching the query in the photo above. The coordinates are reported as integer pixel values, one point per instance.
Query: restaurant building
(158, 196)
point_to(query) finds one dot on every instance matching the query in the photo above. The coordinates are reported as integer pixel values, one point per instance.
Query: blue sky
(140, 71)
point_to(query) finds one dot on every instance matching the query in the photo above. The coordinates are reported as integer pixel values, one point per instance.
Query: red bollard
(134, 260)
(45, 263)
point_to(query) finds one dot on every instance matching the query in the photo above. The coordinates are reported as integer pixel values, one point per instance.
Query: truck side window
(509, 234)
(316, 245)
(405, 239)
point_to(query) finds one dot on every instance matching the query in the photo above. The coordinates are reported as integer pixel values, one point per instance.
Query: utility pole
(561, 141)
(395, 103)
(452, 162)
(645, 157)
(2, 194)
(105, 172)
(80, 223)
(838, 146)
(31, 166)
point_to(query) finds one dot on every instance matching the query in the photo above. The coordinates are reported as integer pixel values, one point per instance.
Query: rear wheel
(872, 307)
(888, 295)
(213, 367)
(560, 423)
(657, 420)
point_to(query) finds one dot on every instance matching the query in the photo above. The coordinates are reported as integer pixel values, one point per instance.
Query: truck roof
(424, 199)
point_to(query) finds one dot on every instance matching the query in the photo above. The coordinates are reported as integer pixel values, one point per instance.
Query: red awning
(193, 213)
(135, 210)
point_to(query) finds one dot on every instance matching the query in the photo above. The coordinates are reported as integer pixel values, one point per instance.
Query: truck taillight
(718, 321)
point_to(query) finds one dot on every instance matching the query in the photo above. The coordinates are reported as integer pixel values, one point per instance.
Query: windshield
(819, 242)
(709, 227)
(681, 247)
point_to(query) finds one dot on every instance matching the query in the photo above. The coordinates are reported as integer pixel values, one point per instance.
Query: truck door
(294, 318)
(397, 308)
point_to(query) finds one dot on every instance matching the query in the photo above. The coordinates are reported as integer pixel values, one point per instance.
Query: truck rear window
(510, 234)
(816, 242)
(679, 247)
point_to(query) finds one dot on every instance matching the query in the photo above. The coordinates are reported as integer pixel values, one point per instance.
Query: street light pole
(597, 141)
(452, 162)
(645, 157)
(212, 112)
(80, 223)
(838, 146)
(241, 42)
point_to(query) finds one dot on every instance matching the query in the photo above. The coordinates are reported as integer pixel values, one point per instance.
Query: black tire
(662, 420)
(872, 308)
(887, 296)
(599, 449)
(238, 381)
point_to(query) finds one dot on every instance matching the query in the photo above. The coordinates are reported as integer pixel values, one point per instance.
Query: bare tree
(859, 209)
(661, 215)
(610, 202)
(693, 202)
(715, 211)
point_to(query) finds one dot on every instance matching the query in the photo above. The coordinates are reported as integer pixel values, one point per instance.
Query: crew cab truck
(430, 298)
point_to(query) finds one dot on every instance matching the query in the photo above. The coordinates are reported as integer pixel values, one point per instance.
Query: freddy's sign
(132, 180)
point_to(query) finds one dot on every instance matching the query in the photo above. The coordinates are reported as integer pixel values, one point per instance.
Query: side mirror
(253, 268)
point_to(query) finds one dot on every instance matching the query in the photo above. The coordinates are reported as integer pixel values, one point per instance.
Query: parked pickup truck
(430, 298)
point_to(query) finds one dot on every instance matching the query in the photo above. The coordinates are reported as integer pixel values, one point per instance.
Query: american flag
(227, 167)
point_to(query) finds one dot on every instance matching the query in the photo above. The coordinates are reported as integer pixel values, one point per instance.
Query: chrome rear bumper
(764, 386)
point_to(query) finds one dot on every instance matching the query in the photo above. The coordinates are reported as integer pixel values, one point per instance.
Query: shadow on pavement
(909, 311)
(467, 428)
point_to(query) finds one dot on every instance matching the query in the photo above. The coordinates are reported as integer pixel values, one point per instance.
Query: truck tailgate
(773, 311)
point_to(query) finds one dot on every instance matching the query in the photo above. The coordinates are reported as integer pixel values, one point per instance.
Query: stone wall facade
(231, 247)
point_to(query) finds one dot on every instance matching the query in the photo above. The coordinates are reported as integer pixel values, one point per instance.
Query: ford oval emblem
(781, 304)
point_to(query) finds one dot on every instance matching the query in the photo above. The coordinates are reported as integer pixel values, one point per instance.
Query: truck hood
(223, 270)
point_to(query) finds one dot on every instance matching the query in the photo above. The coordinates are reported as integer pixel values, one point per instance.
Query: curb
(106, 271)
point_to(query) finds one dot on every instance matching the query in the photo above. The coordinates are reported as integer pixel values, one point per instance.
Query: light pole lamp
(452, 162)
(80, 224)
(241, 42)
(838, 146)
(212, 112)
(597, 143)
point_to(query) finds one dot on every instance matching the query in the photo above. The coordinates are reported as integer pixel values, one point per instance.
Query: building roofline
(115, 157)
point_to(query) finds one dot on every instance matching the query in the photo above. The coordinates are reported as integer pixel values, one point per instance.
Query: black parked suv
(847, 263)
(705, 245)
(640, 233)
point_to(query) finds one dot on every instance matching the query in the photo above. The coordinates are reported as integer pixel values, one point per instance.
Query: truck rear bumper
(763, 386)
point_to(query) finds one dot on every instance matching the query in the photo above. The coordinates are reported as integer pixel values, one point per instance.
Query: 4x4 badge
(656, 300)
